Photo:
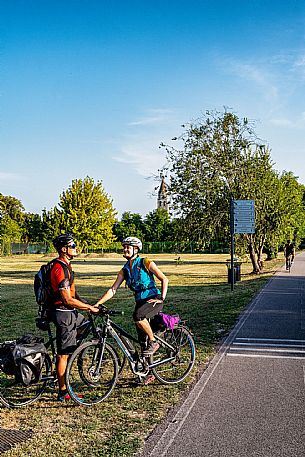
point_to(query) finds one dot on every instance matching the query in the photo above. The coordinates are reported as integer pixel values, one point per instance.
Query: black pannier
(23, 358)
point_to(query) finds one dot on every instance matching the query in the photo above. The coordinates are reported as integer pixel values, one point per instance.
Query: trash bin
(237, 270)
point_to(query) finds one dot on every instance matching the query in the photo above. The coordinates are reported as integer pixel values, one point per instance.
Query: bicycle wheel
(91, 373)
(14, 394)
(174, 363)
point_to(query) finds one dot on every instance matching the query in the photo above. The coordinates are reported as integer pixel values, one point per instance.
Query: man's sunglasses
(71, 246)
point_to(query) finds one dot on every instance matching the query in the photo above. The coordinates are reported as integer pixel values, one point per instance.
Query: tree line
(218, 156)
(85, 210)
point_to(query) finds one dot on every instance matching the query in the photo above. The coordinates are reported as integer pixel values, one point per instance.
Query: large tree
(86, 210)
(220, 158)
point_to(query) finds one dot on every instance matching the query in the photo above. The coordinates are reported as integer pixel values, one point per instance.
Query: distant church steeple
(162, 201)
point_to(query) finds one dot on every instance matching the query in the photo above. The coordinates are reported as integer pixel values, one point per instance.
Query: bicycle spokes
(92, 373)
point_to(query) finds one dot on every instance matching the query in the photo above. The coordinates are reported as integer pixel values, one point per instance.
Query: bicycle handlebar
(110, 312)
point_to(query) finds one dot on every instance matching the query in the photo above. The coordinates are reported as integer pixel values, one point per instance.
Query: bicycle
(92, 370)
(14, 394)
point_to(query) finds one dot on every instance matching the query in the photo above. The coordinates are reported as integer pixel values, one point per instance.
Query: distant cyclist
(139, 276)
(289, 252)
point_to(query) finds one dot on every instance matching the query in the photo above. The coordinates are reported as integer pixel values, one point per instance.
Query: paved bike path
(250, 402)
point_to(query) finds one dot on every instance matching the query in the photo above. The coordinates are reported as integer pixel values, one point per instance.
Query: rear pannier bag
(23, 358)
(29, 359)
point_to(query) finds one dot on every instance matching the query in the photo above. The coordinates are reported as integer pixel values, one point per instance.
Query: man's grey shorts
(66, 323)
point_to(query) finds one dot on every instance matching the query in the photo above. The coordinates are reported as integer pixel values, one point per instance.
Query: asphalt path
(250, 402)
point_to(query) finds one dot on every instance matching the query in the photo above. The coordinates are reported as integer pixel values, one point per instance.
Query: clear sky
(93, 87)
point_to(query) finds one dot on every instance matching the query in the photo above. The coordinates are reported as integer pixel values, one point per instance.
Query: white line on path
(254, 349)
(280, 340)
(262, 356)
(268, 345)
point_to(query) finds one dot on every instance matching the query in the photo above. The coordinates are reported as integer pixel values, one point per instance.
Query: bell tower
(162, 201)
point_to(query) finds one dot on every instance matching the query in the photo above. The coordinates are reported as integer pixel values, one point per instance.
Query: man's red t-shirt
(59, 281)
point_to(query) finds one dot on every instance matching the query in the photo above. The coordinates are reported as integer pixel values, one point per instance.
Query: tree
(10, 230)
(86, 211)
(131, 224)
(32, 228)
(11, 220)
(157, 225)
(52, 224)
(12, 207)
(222, 158)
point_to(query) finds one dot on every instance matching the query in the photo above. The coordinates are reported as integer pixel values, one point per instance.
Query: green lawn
(198, 292)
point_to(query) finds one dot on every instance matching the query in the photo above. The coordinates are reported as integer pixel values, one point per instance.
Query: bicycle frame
(115, 331)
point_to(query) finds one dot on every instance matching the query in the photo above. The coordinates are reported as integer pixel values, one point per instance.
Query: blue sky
(93, 87)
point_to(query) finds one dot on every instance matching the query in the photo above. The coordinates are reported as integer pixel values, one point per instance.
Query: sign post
(232, 240)
(242, 220)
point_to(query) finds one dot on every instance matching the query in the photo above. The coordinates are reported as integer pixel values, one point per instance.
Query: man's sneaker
(63, 396)
(152, 347)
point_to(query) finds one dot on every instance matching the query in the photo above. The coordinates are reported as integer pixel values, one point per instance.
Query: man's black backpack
(42, 287)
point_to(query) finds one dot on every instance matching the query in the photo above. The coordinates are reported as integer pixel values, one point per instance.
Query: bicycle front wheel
(14, 394)
(92, 373)
(176, 356)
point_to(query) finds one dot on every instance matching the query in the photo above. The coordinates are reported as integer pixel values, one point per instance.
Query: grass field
(198, 292)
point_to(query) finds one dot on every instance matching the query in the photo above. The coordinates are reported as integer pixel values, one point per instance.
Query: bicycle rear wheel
(91, 373)
(175, 362)
(14, 394)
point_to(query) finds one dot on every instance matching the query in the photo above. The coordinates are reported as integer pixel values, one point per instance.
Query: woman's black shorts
(146, 310)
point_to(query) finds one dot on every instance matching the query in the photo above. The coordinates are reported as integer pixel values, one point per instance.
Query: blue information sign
(244, 216)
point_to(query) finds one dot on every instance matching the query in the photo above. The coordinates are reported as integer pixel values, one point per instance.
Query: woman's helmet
(62, 240)
(133, 241)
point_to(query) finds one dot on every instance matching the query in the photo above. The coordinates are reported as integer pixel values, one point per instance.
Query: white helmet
(133, 241)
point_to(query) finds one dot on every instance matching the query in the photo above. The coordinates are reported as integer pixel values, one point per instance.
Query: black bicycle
(93, 368)
(13, 392)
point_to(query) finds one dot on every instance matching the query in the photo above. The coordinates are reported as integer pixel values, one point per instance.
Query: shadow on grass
(209, 309)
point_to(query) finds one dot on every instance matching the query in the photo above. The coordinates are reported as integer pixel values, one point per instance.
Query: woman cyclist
(139, 276)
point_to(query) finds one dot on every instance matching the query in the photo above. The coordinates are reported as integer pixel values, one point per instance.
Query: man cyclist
(65, 303)
(289, 250)
(139, 276)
